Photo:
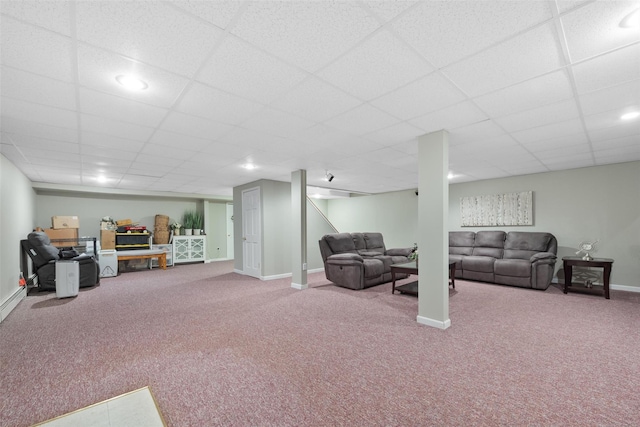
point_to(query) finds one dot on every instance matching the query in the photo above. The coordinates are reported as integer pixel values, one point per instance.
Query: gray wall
(17, 205)
(275, 199)
(216, 229)
(601, 202)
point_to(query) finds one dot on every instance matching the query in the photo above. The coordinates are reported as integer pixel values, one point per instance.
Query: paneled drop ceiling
(342, 86)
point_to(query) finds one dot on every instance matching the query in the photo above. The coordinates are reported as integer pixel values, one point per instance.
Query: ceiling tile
(117, 128)
(562, 152)
(362, 119)
(41, 114)
(541, 133)
(27, 141)
(395, 134)
(148, 31)
(387, 10)
(613, 98)
(617, 143)
(194, 126)
(211, 103)
(306, 34)
(316, 100)
(566, 5)
(52, 15)
(174, 140)
(243, 70)
(551, 143)
(456, 116)
(550, 88)
(610, 119)
(151, 150)
(583, 160)
(98, 69)
(423, 96)
(608, 70)
(33, 49)
(29, 87)
(28, 128)
(594, 28)
(61, 159)
(531, 54)
(98, 151)
(276, 122)
(541, 116)
(379, 65)
(476, 132)
(445, 32)
(219, 13)
(110, 142)
(120, 109)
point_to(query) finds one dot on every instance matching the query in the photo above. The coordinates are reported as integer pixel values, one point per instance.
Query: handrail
(322, 214)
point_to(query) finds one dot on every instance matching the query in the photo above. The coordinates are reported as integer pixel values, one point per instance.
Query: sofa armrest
(341, 258)
(399, 251)
(540, 256)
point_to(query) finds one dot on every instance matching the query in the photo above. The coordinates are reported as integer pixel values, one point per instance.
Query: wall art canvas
(497, 209)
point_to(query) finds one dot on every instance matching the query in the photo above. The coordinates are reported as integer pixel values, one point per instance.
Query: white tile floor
(136, 409)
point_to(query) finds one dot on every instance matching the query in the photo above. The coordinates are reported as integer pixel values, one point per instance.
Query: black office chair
(44, 256)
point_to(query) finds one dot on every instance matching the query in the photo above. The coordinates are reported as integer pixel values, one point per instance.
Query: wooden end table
(412, 268)
(572, 261)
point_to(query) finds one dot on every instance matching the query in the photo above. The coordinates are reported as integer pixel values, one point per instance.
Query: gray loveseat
(359, 260)
(517, 258)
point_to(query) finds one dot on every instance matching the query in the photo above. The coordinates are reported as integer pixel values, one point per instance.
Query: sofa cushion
(483, 264)
(358, 241)
(491, 252)
(523, 245)
(374, 242)
(44, 250)
(340, 243)
(462, 239)
(490, 239)
(373, 267)
(513, 267)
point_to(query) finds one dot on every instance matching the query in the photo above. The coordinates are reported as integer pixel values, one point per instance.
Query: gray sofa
(359, 260)
(517, 258)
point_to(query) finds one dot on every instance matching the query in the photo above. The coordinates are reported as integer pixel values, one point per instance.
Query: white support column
(299, 229)
(433, 230)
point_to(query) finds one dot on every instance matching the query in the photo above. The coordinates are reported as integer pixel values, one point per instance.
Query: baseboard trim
(276, 276)
(624, 288)
(299, 286)
(10, 303)
(315, 270)
(217, 260)
(433, 323)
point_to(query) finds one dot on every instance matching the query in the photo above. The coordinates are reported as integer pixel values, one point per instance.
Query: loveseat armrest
(543, 256)
(343, 258)
(399, 252)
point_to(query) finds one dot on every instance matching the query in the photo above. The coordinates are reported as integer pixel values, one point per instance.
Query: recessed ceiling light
(630, 116)
(632, 20)
(131, 82)
(450, 175)
(101, 179)
(249, 166)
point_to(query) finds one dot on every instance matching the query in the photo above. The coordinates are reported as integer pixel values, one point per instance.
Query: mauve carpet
(221, 349)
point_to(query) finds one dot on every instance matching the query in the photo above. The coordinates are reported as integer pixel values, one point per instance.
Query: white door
(230, 231)
(251, 233)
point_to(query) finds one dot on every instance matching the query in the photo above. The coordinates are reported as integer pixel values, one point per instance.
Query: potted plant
(176, 226)
(198, 222)
(413, 256)
(187, 219)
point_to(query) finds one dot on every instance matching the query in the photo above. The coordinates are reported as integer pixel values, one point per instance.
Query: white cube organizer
(67, 278)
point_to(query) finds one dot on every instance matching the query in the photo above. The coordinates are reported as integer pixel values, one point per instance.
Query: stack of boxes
(63, 231)
(107, 235)
(107, 255)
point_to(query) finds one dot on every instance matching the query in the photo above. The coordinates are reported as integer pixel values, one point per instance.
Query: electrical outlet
(304, 266)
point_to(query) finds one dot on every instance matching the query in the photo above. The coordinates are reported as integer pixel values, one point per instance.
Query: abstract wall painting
(497, 209)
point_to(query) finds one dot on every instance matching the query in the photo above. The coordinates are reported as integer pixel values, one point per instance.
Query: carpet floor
(222, 349)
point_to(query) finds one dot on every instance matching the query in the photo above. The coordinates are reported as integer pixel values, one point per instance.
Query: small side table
(570, 261)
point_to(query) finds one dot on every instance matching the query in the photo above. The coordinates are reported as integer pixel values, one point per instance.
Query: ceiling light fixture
(101, 179)
(632, 20)
(131, 82)
(450, 175)
(249, 166)
(630, 116)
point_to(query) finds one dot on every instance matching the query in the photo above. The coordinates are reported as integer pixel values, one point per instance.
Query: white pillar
(433, 230)
(299, 229)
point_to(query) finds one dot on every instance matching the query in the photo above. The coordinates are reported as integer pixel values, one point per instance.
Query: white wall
(601, 202)
(17, 206)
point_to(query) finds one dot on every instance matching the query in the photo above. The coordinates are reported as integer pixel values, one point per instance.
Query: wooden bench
(145, 254)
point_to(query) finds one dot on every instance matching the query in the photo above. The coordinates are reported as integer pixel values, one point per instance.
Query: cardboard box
(120, 222)
(70, 235)
(65, 222)
(107, 239)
